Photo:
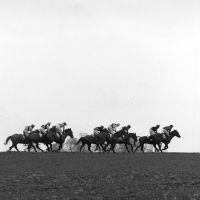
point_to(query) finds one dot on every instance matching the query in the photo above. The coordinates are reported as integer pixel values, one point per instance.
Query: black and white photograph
(99, 99)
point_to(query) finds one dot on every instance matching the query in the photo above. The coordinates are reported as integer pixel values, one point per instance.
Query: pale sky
(90, 63)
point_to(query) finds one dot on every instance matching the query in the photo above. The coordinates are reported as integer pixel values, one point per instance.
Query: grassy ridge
(99, 176)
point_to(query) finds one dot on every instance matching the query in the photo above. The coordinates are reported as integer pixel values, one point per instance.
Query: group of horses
(35, 137)
(102, 140)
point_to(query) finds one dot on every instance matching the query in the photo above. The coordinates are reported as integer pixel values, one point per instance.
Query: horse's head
(175, 133)
(68, 132)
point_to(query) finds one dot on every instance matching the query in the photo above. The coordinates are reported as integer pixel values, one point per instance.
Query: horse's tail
(9, 138)
(80, 140)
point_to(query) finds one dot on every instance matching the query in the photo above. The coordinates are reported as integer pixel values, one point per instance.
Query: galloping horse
(53, 137)
(104, 136)
(157, 139)
(88, 139)
(16, 139)
(36, 137)
(126, 141)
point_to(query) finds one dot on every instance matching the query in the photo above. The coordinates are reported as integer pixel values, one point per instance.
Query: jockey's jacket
(168, 128)
(97, 128)
(154, 129)
(60, 125)
(112, 129)
(28, 128)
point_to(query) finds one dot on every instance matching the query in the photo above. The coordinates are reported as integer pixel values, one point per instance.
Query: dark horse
(104, 136)
(52, 136)
(89, 140)
(16, 139)
(36, 137)
(157, 139)
(126, 140)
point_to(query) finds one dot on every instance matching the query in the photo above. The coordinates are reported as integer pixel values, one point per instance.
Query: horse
(88, 139)
(53, 137)
(126, 141)
(36, 137)
(157, 138)
(104, 136)
(16, 139)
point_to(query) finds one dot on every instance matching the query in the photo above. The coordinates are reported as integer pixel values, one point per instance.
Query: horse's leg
(16, 148)
(83, 144)
(38, 147)
(127, 147)
(33, 147)
(165, 147)
(160, 145)
(131, 146)
(156, 150)
(142, 147)
(48, 149)
(103, 148)
(29, 147)
(113, 147)
(137, 148)
(11, 147)
(89, 146)
(60, 146)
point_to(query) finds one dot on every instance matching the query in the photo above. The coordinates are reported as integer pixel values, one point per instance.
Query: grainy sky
(92, 63)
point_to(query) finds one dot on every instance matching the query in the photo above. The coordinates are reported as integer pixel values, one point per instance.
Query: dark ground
(99, 176)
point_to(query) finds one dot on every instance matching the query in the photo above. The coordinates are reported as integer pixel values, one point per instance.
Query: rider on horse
(167, 130)
(126, 128)
(153, 130)
(97, 130)
(44, 128)
(27, 131)
(112, 128)
(59, 126)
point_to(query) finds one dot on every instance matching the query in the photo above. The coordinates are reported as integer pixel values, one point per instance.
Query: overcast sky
(90, 63)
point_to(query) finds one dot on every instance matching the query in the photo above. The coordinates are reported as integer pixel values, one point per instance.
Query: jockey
(97, 130)
(44, 128)
(153, 130)
(112, 128)
(126, 128)
(27, 130)
(58, 128)
(167, 130)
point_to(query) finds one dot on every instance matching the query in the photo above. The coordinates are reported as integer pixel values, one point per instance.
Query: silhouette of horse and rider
(120, 137)
(36, 138)
(157, 140)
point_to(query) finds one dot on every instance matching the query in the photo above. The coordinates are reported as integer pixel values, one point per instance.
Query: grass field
(99, 176)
